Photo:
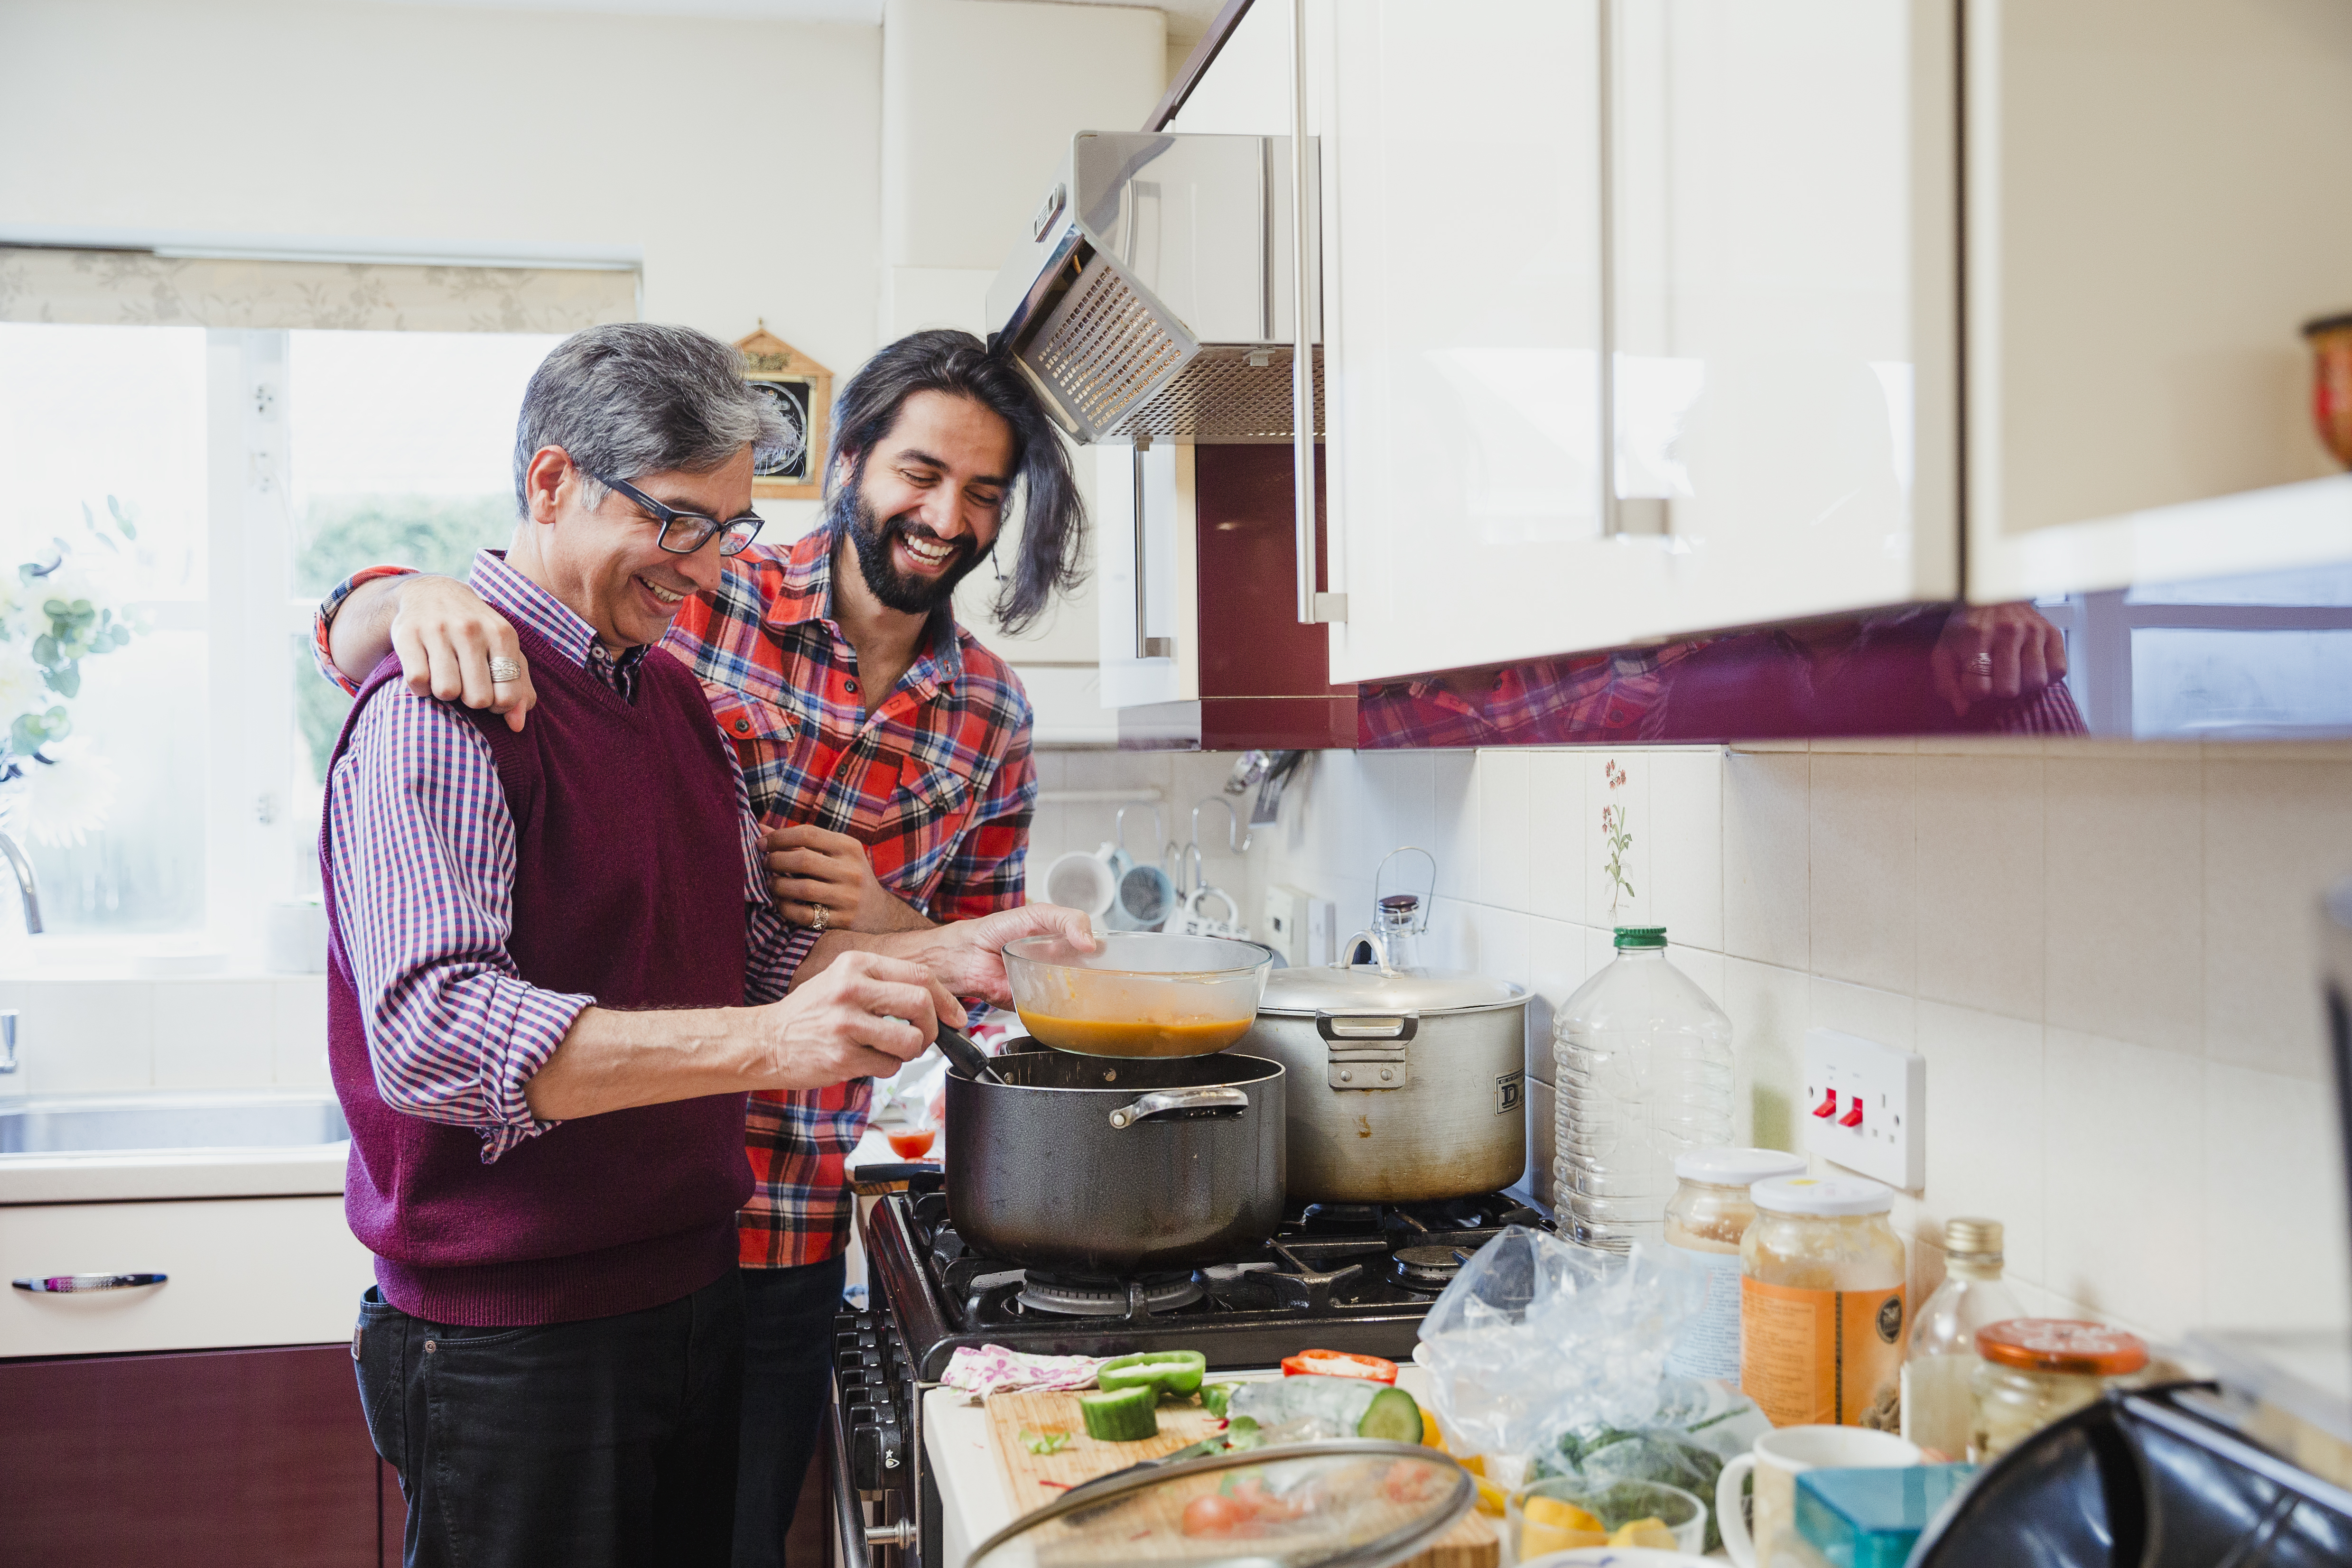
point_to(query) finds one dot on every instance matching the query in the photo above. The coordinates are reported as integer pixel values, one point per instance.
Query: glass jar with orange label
(1821, 1309)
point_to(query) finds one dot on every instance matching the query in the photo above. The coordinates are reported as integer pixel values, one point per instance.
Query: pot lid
(1349, 1504)
(1368, 989)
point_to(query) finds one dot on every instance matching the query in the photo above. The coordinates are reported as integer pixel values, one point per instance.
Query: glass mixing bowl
(1141, 993)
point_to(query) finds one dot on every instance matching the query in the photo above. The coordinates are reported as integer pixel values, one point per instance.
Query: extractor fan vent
(1223, 394)
(1105, 349)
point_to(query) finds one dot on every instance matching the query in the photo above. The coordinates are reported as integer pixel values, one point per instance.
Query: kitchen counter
(972, 1489)
(108, 1176)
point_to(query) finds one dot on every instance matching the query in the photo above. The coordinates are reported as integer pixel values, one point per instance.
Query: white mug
(1778, 1458)
(1089, 881)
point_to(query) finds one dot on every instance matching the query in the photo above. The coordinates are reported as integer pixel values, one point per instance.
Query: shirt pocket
(761, 734)
(915, 826)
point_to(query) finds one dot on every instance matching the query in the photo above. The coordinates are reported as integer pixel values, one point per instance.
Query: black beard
(908, 595)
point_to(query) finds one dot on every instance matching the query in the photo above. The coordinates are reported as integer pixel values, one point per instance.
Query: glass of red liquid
(911, 1143)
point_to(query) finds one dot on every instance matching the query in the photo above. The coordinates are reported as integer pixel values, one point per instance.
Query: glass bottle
(1939, 1403)
(1706, 1219)
(1399, 930)
(1643, 1061)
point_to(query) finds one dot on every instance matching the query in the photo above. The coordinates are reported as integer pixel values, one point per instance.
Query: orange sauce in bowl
(912, 1143)
(1136, 1036)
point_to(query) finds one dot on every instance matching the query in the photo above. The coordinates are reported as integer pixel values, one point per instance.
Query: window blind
(115, 288)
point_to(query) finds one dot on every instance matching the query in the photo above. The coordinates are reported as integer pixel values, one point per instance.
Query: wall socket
(1298, 926)
(1865, 1107)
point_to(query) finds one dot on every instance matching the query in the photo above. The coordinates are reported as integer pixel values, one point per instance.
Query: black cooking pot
(1108, 1169)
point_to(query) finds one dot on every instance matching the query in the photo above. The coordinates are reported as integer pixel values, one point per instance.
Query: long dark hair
(1052, 518)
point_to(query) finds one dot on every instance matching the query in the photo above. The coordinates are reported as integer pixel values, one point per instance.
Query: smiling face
(602, 561)
(929, 500)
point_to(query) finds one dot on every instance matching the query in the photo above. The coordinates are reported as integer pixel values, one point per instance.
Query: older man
(555, 974)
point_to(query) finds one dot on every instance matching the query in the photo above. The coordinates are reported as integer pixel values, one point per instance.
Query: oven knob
(865, 1459)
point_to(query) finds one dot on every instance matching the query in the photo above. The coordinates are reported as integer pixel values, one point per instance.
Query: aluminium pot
(1406, 1085)
(1108, 1169)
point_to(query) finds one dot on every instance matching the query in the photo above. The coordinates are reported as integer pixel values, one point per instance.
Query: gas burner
(1042, 1292)
(1426, 1268)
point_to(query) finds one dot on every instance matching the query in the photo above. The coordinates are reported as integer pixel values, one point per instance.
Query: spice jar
(1706, 1218)
(2040, 1370)
(1821, 1309)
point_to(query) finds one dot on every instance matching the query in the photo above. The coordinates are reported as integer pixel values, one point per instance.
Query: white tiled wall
(79, 1035)
(2104, 952)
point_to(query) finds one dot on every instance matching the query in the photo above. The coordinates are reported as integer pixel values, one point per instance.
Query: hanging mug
(1086, 881)
(1146, 895)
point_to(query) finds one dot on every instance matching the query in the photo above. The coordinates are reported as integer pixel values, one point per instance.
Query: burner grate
(1044, 1292)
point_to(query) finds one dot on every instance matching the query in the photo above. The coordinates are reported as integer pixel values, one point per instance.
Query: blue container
(1870, 1518)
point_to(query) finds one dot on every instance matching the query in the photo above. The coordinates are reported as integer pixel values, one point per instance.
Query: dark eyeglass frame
(734, 536)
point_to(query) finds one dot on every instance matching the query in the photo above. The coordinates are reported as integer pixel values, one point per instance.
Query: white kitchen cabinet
(242, 1271)
(1744, 210)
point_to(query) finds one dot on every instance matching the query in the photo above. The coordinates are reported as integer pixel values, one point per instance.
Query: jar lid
(2061, 1344)
(1737, 1167)
(1636, 937)
(1824, 1195)
(1311, 989)
(1972, 1238)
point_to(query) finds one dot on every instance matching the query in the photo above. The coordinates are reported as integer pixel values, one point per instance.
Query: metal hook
(1232, 825)
(1159, 825)
(1428, 897)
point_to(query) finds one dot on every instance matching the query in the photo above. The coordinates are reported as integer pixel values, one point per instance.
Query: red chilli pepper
(1338, 1364)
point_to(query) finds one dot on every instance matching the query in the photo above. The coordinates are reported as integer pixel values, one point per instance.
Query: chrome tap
(28, 888)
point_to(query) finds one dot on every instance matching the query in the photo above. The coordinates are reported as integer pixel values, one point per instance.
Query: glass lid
(1351, 1504)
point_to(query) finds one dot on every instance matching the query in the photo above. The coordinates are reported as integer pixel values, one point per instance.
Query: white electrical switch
(1865, 1107)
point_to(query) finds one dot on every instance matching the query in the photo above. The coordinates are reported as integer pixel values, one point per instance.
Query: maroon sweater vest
(629, 888)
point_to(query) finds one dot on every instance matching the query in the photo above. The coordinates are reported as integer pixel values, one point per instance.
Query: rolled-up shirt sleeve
(322, 621)
(420, 848)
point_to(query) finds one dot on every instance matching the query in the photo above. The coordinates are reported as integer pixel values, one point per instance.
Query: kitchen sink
(229, 1120)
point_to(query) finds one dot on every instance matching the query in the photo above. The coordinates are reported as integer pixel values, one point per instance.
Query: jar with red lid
(2036, 1371)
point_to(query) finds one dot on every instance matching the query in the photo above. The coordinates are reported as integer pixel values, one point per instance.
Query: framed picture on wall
(801, 391)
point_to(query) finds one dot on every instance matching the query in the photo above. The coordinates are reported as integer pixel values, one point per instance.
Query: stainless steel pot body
(1106, 1169)
(1401, 1107)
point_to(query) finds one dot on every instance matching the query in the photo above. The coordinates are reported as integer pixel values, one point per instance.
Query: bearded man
(887, 755)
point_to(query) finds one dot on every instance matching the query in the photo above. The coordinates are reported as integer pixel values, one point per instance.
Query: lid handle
(1372, 939)
(1222, 1100)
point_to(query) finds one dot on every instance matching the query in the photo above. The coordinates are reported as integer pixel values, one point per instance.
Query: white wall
(2105, 952)
(741, 158)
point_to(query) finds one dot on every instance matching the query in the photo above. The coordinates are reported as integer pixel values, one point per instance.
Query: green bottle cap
(1638, 937)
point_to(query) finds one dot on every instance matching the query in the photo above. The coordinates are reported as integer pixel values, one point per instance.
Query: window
(208, 483)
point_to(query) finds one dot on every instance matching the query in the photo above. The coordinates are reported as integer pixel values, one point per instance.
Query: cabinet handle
(1145, 647)
(69, 1284)
(1313, 608)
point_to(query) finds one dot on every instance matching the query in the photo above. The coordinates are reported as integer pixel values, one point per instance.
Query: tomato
(1213, 1513)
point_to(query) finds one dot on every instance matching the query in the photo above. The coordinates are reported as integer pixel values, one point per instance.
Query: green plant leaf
(66, 683)
(45, 651)
(55, 608)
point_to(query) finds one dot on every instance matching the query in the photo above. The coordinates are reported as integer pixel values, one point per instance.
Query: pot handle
(1343, 1028)
(1222, 1100)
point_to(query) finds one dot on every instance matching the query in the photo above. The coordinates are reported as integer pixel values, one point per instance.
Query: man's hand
(809, 866)
(445, 637)
(1995, 651)
(864, 1017)
(967, 958)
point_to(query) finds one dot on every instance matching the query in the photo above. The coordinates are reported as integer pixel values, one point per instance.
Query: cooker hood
(1153, 296)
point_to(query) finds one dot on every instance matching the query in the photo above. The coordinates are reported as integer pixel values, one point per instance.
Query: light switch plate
(1889, 1142)
(1298, 926)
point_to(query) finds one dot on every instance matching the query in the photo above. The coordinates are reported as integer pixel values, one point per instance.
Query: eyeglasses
(694, 530)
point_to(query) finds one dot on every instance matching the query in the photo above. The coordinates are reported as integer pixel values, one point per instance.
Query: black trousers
(787, 1382)
(609, 1443)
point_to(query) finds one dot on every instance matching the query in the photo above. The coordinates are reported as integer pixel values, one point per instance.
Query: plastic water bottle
(1643, 1061)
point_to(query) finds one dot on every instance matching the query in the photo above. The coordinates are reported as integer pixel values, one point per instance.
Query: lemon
(1650, 1531)
(1536, 1540)
(1431, 1436)
(1561, 1515)
(1490, 1496)
(1476, 1464)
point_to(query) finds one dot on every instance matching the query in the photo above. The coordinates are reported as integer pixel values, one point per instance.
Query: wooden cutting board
(1032, 1481)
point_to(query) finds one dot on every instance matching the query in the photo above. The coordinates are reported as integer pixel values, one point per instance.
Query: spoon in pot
(959, 1050)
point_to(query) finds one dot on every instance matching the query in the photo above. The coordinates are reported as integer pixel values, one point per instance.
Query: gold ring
(817, 921)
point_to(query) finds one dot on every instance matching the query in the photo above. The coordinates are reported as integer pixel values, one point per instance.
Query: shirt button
(743, 726)
(849, 685)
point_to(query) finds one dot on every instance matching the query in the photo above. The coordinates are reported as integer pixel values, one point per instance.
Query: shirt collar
(806, 595)
(506, 590)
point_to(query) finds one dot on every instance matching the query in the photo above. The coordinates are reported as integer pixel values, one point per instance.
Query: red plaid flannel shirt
(938, 784)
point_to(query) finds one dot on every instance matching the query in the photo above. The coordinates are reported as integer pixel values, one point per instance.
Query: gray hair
(635, 398)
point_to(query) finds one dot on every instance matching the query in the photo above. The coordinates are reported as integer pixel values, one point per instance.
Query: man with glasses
(887, 751)
(555, 972)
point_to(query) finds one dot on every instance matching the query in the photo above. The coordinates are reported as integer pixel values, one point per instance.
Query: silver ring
(504, 670)
(1981, 665)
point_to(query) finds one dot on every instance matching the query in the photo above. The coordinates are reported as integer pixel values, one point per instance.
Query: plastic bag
(1537, 1335)
(1696, 1427)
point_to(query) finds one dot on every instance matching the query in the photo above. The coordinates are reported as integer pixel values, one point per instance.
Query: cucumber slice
(1123, 1416)
(1391, 1417)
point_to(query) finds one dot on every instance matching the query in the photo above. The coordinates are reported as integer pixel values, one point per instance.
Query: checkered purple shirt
(420, 840)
